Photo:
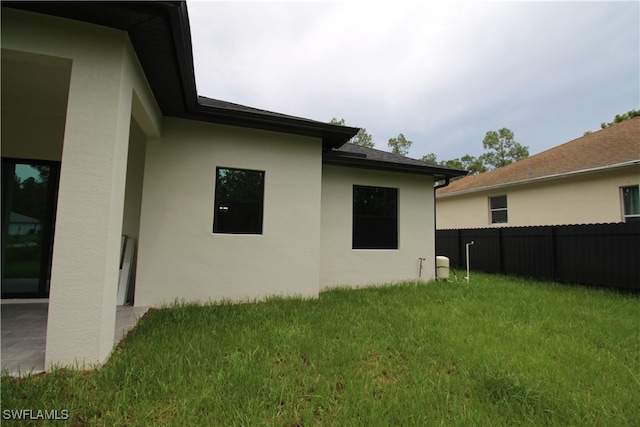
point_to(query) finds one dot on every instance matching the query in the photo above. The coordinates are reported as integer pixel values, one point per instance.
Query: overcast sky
(442, 73)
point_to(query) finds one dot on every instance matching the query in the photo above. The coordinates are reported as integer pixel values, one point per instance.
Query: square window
(239, 200)
(630, 203)
(498, 210)
(375, 217)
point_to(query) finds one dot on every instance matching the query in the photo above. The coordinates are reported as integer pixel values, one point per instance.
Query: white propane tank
(442, 268)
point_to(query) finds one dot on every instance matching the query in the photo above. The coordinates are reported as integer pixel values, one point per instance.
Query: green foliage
(362, 138)
(620, 118)
(502, 149)
(400, 145)
(430, 158)
(473, 165)
(467, 162)
(236, 184)
(497, 351)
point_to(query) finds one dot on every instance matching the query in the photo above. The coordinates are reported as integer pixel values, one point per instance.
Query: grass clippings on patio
(498, 351)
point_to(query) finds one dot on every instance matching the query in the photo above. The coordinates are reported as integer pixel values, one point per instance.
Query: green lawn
(498, 351)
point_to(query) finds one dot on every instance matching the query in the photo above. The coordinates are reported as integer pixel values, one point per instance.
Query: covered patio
(24, 332)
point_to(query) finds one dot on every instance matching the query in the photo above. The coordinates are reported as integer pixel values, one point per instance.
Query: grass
(498, 351)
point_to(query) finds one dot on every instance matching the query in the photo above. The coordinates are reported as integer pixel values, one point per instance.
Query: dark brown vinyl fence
(594, 254)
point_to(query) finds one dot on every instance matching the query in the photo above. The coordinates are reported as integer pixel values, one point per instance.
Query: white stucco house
(225, 201)
(20, 225)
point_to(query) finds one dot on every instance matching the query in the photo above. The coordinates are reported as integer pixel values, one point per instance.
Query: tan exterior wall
(579, 199)
(179, 255)
(342, 265)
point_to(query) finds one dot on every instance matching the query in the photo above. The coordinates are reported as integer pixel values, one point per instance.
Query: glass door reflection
(29, 190)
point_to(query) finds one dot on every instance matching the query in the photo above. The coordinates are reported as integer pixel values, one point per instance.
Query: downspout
(447, 180)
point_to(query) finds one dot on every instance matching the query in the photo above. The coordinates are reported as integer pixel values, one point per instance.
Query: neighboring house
(227, 202)
(20, 225)
(592, 179)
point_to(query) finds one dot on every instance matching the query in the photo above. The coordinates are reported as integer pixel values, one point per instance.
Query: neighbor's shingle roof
(617, 144)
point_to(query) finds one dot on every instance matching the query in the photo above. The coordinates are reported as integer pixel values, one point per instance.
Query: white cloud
(442, 73)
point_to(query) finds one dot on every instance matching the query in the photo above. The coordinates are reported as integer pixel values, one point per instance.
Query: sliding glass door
(29, 194)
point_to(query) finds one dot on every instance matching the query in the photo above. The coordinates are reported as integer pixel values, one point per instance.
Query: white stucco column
(82, 301)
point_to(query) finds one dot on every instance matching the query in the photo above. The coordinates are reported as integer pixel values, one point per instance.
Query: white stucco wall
(580, 199)
(342, 265)
(23, 77)
(179, 256)
(135, 175)
(105, 80)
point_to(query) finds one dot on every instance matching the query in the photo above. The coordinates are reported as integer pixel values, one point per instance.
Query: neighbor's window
(375, 217)
(630, 204)
(239, 200)
(498, 209)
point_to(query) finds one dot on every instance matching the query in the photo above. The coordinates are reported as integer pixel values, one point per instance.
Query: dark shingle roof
(224, 112)
(615, 145)
(353, 155)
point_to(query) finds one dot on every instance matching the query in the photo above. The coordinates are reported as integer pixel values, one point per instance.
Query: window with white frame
(498, 209)
(239, 201)
(630, 203)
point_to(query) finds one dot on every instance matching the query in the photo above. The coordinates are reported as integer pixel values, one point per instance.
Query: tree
(362, 138)
(474, 165)
(400, 145)
(430, 158)
(503, 149)
(620, 118)
(467, 162)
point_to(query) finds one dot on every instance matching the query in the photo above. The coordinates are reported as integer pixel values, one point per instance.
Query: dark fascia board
(357, 161)
(216, 111)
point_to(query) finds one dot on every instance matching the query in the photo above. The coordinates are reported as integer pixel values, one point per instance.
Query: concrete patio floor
(24, 330)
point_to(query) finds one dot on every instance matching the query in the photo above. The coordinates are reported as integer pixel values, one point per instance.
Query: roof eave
(333, 136)
(363, 163)
(538, 179)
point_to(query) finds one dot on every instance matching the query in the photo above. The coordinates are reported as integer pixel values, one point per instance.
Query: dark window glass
(29, 198)
(499, 217)
(498, 209)
(499, 202)
(631, 204)
(239, 200)
(375, 217)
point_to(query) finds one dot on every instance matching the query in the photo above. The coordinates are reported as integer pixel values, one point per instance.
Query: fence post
(500, 251)
(460, 250)
(554, 254)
